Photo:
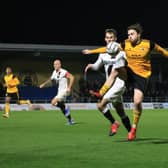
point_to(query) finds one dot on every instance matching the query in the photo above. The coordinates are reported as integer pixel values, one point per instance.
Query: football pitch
(32, 139)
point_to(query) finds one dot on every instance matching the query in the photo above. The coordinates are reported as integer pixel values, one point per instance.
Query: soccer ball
(112, 48)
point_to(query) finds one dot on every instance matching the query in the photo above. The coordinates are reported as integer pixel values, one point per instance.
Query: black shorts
(136, 81)
(14, 97)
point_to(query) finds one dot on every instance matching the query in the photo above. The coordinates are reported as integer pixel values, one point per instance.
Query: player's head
(110, 35)
(8, 70)
(134, 33)
(57, 64)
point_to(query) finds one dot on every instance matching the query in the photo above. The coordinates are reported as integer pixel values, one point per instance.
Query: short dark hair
(111, 31)
(137, 27)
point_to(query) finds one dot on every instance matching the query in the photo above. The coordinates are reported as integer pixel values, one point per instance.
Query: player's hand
(95, 94)
(86, 51)
(68, 91)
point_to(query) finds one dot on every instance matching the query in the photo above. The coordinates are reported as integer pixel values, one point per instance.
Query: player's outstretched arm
(88, 67)
(160, 50)
(46, 82)
(106, 86)
(71, 82)
(109, 82)
(86, 52)
(94, 51)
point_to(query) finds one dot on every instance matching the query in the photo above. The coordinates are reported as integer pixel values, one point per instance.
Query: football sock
(7, 108)
(108, 115)
(136, 117)
(61, 105)
(69, 117)
(104, 89)
(126, 123)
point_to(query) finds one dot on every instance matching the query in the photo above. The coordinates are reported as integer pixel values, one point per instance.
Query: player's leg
(137, 111)
(116, 93)
(138, 98)
(7, 106)
(102, 106)
(21, 101)
(109, 82)
(10, 97)
(121, 112)
(139, 84)
(59, 102)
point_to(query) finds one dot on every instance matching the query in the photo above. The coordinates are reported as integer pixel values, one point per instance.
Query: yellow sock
(7, 108)
(104, 89)
(25, 102)
(136, 117)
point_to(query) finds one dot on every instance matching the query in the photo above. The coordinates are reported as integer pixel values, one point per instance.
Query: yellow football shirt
(11, 82)
(138, 56)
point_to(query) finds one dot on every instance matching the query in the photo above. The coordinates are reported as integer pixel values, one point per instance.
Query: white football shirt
(61, 78)
(106, 60)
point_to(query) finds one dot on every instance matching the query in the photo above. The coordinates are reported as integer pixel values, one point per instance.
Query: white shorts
(115, 93)
(61, 95)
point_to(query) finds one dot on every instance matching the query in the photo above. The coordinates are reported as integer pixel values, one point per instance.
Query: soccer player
(114, 94)
(11, 83)
(138, 52)
(65, 81)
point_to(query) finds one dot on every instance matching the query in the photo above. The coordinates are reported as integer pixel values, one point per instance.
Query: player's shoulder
(63, 71)
(143, 42)
(147, 41)
(5, 77)
(124, 43)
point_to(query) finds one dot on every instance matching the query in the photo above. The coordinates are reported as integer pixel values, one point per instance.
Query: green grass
(42, 139)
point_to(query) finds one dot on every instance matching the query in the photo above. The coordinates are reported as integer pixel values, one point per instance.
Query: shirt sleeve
(160, 50)
(67, 74)
(98, 63)
(53, 75)
(99, 50)
(120, 61)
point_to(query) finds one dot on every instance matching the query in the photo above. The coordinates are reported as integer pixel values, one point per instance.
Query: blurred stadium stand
(33, 64)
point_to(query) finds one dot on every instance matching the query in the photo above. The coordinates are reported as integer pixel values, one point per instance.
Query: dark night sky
(80, 24)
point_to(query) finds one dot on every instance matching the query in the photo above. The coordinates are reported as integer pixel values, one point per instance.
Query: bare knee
(100, 106)
(7, 100)
(137, 103)
(138, 98)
